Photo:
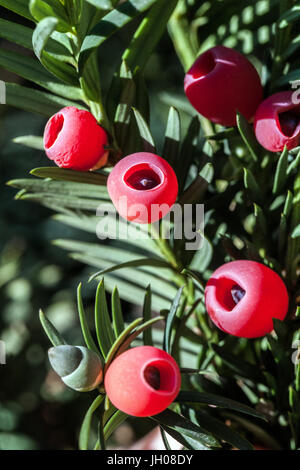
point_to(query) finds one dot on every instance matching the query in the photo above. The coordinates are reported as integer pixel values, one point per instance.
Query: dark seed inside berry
(143, 180)
(237, 293)
(205, 66)
(152, 376)
(145, 183)
(288, 123)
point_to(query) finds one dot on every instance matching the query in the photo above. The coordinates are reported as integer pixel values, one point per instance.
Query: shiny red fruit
(242, 297)
(73, 139)
(222, 81)
(142, 381)
(143, 187)
(277, 122)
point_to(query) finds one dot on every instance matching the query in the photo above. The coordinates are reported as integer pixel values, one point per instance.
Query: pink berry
(73, 139)
(242, 297)
(277, 122)
(221, 82)
(142, 381)
(143, 187)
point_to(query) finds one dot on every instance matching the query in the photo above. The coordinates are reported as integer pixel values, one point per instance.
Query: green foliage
(110, 24)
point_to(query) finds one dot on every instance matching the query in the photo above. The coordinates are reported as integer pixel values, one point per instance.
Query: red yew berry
(242, 297)
(277, 122)
(73, 139)
(221, 82)
(143, 187)
(142, 381)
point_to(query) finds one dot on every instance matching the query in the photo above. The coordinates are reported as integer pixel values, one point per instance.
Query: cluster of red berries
(222, 81)
(241, 297)
(143, 186)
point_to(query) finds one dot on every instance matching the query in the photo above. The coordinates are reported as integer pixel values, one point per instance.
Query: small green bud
(78, 367)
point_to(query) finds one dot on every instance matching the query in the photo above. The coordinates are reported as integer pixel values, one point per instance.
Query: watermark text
(2, 352)
(2, 92)
(296, 94)
(180, 223)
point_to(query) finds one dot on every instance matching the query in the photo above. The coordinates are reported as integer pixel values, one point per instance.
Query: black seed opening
(152, 376)
(288, 122)
(237, 293)
(205, 65)
(143, 180)
(228, 293)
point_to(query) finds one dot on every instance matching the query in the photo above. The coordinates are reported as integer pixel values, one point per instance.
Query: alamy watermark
(2, 352)
(181, 223)
(2, 92)
(296, 94)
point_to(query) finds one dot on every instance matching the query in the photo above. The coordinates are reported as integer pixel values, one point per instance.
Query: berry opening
(237, 293)
(228, 293)
(152, 376)
(288, 122)
(54, 128)
(204, 66)
(143, 177)
(160, 375)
